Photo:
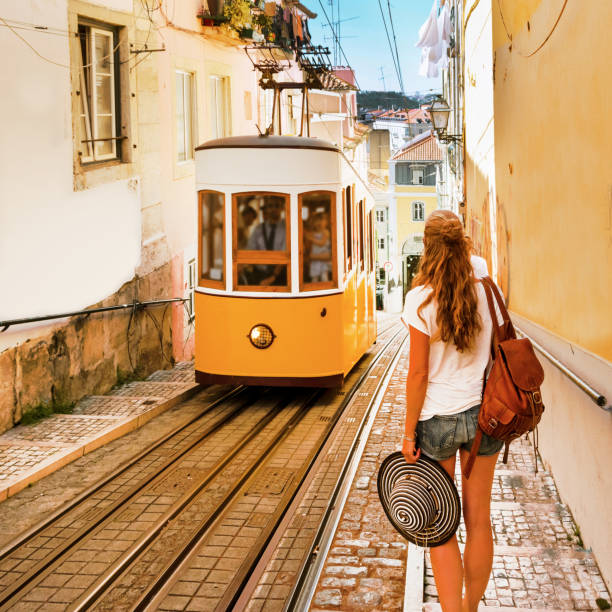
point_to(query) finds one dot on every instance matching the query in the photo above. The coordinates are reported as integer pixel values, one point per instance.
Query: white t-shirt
(455, 379)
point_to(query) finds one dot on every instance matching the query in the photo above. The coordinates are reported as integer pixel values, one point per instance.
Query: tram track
(118, 545)
(25, 560)
(233, 593)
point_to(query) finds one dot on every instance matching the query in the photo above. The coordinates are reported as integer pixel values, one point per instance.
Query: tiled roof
(406, 115)
(423, 147)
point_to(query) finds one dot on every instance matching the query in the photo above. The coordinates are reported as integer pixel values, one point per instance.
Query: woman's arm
(416, 386)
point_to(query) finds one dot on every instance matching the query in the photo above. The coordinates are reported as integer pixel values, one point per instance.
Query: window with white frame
(417, 176)
(380, 215)
(184, 115)
(418, 211)
(219, 107)
(98, 93)
(381, 243)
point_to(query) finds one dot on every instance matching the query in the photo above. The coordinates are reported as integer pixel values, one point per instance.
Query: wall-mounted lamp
(439, 113)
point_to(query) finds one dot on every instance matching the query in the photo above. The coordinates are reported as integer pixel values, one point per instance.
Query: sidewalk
(30, 452)
(539, 561)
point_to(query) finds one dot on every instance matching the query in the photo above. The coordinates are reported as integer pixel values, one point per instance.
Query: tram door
(410, 266)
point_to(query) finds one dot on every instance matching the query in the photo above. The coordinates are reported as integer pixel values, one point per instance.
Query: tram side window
(318, 240)
(361, 236)
(212, 217)
(348, 229)
(261, 240)
(371, 240)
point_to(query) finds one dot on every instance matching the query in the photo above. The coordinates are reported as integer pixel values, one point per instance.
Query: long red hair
(446, 267)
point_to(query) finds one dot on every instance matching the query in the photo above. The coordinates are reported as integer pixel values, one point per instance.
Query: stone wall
(90, 353)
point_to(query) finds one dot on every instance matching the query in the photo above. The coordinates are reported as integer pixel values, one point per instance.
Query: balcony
(246, 21)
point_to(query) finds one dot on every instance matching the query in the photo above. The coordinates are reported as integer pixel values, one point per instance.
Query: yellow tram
(286, 288)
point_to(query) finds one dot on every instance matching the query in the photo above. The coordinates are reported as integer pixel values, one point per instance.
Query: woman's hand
(410, 452)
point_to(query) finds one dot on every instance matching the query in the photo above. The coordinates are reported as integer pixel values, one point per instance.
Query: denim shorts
(442, 436)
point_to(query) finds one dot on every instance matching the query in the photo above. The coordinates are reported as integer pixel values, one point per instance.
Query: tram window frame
(319, 285)
(249, 256)
(361, 238)
(348, 233)
(202, 281)
(371, 240)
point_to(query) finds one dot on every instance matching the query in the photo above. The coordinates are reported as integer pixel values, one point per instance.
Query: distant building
(414, 172)
(403, 125)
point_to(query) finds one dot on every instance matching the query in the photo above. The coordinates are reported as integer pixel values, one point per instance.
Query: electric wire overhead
(333, 30)
(392, 49)
(399, 66)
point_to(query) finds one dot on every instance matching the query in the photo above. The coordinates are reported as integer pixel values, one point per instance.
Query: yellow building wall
(539, 207)
(413, 193)
(548, 165)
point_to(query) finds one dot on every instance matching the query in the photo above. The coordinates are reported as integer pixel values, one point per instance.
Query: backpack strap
(473, 452)
(494, 342)
(507, 326)
(495, 338)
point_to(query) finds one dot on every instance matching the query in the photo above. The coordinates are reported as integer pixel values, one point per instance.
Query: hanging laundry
(429, 34)
(270, 9)
(434, 38)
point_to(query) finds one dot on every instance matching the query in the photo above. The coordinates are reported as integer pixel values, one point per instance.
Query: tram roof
(269, 142)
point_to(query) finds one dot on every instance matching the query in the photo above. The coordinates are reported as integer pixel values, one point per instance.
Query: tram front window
(212, 215)
(318, 237)
(261, 239)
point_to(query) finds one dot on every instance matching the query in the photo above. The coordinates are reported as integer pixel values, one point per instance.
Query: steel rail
(151, 533)
(106, 513)
(26, 536)
(136, 305)
(304, 587)
(595, 395)
(119, 567)
(239, 599)
(195, 540)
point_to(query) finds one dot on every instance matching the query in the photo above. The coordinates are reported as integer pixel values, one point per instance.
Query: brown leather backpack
(511, 399)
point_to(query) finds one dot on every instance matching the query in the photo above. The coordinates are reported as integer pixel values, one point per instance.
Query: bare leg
(478, 554)
(446, 563)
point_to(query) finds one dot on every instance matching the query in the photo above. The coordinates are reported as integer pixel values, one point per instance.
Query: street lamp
(439, 112)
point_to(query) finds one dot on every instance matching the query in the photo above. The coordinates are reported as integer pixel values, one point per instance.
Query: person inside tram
(247, 218)
(450, 338)
(319, 252)
(269, 235)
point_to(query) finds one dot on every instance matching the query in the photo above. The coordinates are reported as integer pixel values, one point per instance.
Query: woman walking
(450, 346)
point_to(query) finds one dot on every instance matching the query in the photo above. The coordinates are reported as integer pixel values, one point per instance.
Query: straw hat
(420, 499)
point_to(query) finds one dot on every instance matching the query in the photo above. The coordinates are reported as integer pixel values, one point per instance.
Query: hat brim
(440, 484)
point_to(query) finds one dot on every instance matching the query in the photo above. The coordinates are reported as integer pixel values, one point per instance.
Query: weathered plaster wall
(553, 150)
(60, 249)
(479, 131)
(549, 224)
(88, 354)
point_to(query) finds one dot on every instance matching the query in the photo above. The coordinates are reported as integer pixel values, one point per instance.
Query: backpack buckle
(537, 397)
(493, 423)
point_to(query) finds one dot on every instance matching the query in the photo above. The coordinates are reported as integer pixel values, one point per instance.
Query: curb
(117, 428)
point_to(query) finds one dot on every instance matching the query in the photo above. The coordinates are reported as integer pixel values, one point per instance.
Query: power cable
(382, 14)
(399, 67)
(338, 42)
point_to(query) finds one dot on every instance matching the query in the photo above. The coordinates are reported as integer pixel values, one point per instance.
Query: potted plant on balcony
(213, 15)
(238, 15)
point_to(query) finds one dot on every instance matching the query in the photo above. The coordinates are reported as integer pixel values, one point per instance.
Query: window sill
(87, 176)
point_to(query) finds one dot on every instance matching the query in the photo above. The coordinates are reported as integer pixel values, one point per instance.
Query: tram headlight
(261, 336)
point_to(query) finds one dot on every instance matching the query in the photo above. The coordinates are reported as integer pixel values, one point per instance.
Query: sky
(365, 43)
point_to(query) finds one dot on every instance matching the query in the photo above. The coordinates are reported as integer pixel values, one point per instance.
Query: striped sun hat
(420, 499)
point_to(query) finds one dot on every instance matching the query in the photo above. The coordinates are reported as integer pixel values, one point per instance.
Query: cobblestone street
(539, 560)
